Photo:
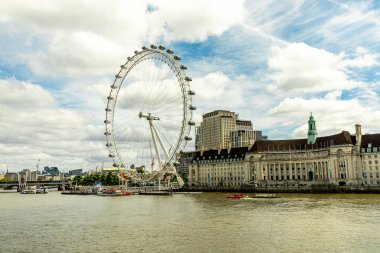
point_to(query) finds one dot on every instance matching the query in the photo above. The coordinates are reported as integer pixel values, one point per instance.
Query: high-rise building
(198, 139)
(223, 129)
(243, 136)
(216, 129)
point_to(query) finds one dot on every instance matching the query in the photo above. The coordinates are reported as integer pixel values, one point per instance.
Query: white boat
(42, 190)
(29, 190)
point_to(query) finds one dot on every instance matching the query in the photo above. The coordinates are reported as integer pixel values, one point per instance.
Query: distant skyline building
(54, 171)
(77, 172)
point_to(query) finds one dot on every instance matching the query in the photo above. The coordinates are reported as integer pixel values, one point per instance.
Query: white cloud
(195, 20)
(332, 114)
(301, 68)
(362, 59)
(17, 94)
(34, 127)
(92, 37)
(355, 23)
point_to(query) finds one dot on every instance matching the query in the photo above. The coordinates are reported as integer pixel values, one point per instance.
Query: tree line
(93, 179)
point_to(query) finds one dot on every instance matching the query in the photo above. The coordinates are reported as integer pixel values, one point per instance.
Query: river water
(205, 222)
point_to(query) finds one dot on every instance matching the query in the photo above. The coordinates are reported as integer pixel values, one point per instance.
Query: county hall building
(340, 159)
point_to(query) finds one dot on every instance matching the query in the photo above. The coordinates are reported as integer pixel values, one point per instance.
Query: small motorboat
(112, 192)
(42, 190)
(234, 195)
(29, 190)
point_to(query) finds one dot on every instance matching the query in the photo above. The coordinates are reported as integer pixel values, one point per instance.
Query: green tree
(6, 180)
(78, 180)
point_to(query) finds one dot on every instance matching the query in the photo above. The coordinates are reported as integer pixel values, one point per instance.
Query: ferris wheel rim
(183, 80)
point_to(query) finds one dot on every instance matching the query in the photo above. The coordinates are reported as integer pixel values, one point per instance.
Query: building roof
(373, 139)
(238, 152)
(343, 138)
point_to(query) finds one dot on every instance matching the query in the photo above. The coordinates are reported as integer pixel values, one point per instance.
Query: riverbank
(315, 189)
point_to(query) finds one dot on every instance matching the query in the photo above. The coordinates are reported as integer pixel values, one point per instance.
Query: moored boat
(112, 192)
(29, 190)
(42, 190)
(266, 196)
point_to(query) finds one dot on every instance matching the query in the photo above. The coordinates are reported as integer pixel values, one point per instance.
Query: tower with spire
(312, 132)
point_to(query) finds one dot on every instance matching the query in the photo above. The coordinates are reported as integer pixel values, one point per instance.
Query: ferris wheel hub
(148, 116)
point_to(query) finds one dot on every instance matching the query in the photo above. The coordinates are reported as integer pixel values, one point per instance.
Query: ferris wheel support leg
(155, 143)
(161, 144)
(164, 149)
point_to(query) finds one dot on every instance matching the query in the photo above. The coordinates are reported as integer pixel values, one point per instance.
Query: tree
(6, 180)
(78, 180)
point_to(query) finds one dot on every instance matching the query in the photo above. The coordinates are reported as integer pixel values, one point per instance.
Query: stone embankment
(320, 188)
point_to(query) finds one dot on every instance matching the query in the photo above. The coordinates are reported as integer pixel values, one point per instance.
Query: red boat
(112, 192)
(234, 195)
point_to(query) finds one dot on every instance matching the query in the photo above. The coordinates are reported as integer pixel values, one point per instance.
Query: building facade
(331, 159)
(215, 129)
(223, 129)
(340, 159)
(218, 168)
(370, 156)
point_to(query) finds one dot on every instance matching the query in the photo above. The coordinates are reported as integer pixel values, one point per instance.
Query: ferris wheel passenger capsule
(193, 108)
(177, 58)
(169, 51)
(110, 98)
(161, 47)
(107, 121)
(183, 67)
(108, 109)
(136, 52)
(107, 133)
(153, 46)
(188, 79)
(109, 145)
(190, 92)
(113, 86)
(111, 155)
(118, 76)
(191, 123)
(188, 138)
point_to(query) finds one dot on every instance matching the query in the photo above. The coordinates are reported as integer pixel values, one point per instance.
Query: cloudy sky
(273, 62)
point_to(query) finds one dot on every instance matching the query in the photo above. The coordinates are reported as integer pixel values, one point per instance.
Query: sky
(272, 62)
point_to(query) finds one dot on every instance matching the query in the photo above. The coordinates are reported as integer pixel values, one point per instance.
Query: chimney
(358, 135)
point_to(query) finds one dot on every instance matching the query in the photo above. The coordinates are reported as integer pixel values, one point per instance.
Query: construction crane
(38, 163)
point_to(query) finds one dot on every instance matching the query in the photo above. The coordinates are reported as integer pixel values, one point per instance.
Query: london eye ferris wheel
(149, 114)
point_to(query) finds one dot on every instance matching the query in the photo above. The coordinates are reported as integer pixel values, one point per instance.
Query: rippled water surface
(206, 222)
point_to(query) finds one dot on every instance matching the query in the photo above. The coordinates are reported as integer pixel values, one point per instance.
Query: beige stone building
(219, 168)
(340, 159)
(370, 155)
(331, 159)
(222, 129)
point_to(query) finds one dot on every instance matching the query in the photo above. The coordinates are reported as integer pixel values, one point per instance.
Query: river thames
(204, 222)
